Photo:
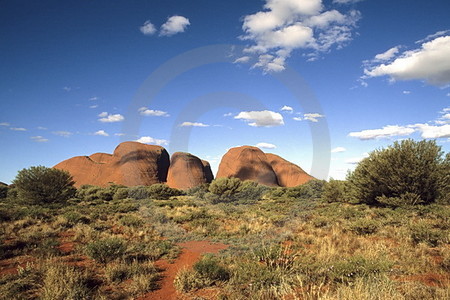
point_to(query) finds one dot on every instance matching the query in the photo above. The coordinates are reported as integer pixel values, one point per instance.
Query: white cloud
(388, 55)
(148, 28)
(119, 134)
(228, 114)
(62, 133)
(263, 118)
(429, 63)
(266, 145)
(18, 129)
(313, 117)
(433, 36)
(93, 106)
(287, 108)
(297, 118)
(385, 132)
(433, 132)
(346, 1)
(242, 60)
(150, 140)
(101, 133)
(5, 124)
(193, 124)
(39, 139)
(67, 88)
(448, 95)
(174, 25)
(109, 118)
(144, 111)
(42, 128)
(93, 98)
(338, 150)
(406, 92)
(284, 26)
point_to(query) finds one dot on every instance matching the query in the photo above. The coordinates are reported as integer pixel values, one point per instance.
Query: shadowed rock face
(131, 164)
(288, 174)
(187, 171)
(247, 163)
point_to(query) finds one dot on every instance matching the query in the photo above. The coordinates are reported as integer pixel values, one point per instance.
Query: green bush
(251, 190)
(334, 191)
(422, 232)
(347, 270)
(121, 193)
(38, 185)
(162, 192)
(106, 250)
(3, 191)
(224, 190)
(72, 218)
(210, 268)
(131, 221)
(188, 280)
(405, 168)
(364, 226)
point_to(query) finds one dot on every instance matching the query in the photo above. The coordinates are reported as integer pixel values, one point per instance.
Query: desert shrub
(131, 221)
(22, 285)
(121, 193)
(198, 191)
(210, 268)
(276, 257)
(120, 271)
(405, 167)
(250, 190)
(72, 218)
(348, 270)
(3, 191)
(364, 226)
(405, 199)
(224, 190)
(188, 280)
(62, 282)
(39, 185)
(138, 192)
(334, 191)
(106, 250)
(422, 232)
(162, 192)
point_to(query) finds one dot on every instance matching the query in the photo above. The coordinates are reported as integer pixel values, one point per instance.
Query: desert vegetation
(384, 233)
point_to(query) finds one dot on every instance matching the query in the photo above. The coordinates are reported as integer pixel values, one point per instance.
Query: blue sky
(79, 77)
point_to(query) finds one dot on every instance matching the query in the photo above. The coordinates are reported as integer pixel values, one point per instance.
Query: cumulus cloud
(287, 108)
(388, 55)
(5, 124)
(242, 60)
(18, 129)
(62, 133)
(265, 118)
(150, 140)
(148, 28)
(433, 132)
(39, 139)
(429, 63)
(110, 118)
(266, 145)
(174, 25)
(433, 36)
(228, 114)
(193, 124)
(144, 111)
(385, 132)
(297, 118)
(284, 26)
(101, 133)
(338, 150)
(313, 117)
(406, 92)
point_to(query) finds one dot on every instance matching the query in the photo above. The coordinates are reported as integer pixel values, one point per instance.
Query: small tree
(405, 170)
(334, 191)
(38, 185)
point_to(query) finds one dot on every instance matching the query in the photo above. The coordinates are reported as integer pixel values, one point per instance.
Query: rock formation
(247, 163)
(288, 174)
(187, 171)
(131, 164)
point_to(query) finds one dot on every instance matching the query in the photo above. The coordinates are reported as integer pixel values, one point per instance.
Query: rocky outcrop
(187, 171)
(288, 174)
(247, 163)
(131, 164)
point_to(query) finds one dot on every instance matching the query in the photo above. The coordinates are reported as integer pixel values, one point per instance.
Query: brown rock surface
(247, 163)
(187, 171)
(288, 174)
(131, 164)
